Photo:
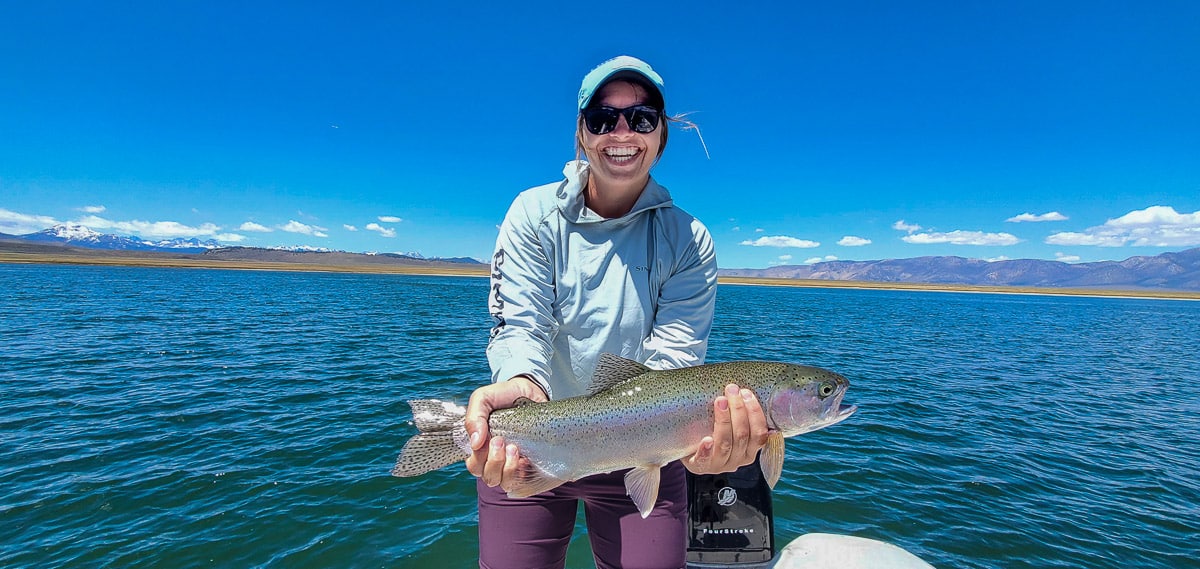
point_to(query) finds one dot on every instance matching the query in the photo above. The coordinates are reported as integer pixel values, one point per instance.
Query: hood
(571, 203)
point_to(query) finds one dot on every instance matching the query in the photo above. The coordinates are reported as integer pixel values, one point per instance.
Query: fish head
(805, 399)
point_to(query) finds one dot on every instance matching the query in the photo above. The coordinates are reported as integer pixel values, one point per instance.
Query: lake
(184, 417)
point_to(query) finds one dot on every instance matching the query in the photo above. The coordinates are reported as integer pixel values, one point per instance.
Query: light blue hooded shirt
(568, 285)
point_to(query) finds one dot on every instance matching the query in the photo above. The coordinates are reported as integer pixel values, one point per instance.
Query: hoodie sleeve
(686, 300)
(521, 298)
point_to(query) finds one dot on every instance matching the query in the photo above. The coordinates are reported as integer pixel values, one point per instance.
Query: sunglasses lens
(643, 119)
(602, 120)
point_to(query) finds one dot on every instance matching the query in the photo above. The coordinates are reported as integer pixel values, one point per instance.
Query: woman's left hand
(739, 432)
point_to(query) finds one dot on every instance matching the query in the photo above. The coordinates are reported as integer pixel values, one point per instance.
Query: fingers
(504, 464)
(493, 468)
(512, 466)
(724, 428)
(739, 432)
(749, 427)
(757, 423)
(740, 423)
(479, 408)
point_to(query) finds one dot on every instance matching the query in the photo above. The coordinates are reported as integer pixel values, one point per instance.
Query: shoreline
(446, 269)
(964, 288)
(237, 265)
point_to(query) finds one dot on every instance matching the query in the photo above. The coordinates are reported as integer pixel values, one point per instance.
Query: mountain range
(1167, 271)
(75, 235)
(81, 236)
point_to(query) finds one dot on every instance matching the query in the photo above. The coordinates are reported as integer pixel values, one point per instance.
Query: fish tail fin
(433, 416)
(439, 443)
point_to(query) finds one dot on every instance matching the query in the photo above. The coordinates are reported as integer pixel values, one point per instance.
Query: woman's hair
(654, 99)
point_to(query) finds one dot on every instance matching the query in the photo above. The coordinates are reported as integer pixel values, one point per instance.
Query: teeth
(621, 154)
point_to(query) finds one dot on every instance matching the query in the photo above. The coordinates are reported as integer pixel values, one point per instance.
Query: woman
(601, 261)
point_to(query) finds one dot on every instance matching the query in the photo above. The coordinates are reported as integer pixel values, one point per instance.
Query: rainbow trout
(633, 417)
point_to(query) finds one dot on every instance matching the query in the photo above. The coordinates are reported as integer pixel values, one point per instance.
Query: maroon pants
(533, 533)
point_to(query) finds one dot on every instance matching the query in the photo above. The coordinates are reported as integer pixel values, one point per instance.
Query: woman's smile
(621, 154)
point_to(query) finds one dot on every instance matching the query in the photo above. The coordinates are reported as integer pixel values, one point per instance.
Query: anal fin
(641, 484)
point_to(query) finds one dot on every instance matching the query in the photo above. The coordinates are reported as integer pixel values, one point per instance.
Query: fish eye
(827, 388)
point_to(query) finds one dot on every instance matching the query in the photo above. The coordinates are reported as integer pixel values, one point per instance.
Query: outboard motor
(730, 520)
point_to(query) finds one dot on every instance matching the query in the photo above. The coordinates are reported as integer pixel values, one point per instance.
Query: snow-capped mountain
(82, 236)
(300, 249)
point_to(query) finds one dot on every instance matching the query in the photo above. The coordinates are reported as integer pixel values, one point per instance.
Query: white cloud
(812, 260)
(781, 241)
(736, 228)
(390, 219)
(161, 229)
(960, 237)
(15, 223)
(785, 257)
(1094, 239)
(1030, 217)
(384, 231)
(251, 226)
(852, 241)
(1155, 226)
(92, 209)
(158, 229)
(1066, 258)
(349, 227)
(759, 230)
(293, 226)
(902, 226)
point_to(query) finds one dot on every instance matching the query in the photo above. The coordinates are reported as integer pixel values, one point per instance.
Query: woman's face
(621, 155)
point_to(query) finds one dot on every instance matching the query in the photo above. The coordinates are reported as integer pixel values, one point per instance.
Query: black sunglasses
(603, 120)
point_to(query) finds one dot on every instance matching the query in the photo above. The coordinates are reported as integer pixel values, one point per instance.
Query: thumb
(476, 421)
(476, 433)
(704, 453)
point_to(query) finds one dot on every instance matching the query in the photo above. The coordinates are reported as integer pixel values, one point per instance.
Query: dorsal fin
(613, 369)
(522, 401)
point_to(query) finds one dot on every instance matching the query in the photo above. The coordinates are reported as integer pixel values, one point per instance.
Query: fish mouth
(832, 416)
(843, 412)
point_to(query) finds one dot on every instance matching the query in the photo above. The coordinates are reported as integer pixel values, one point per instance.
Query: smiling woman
(621, 145)
(600, 262)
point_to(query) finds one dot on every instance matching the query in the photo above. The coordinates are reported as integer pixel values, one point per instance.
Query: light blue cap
(613, 68)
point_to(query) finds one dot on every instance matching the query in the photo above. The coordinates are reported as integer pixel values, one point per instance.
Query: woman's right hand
(491, 460)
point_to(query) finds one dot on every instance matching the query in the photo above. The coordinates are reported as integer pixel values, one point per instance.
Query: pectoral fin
(641, 484)
(771, 458)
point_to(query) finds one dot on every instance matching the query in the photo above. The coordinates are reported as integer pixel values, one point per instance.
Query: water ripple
(191, 417)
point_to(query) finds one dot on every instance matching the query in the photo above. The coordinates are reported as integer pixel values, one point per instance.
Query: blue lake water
(181, 418)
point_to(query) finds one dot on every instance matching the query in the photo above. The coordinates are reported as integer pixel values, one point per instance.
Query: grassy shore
(448, 269)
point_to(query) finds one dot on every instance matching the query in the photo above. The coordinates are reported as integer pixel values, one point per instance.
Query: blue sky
(849, 130)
